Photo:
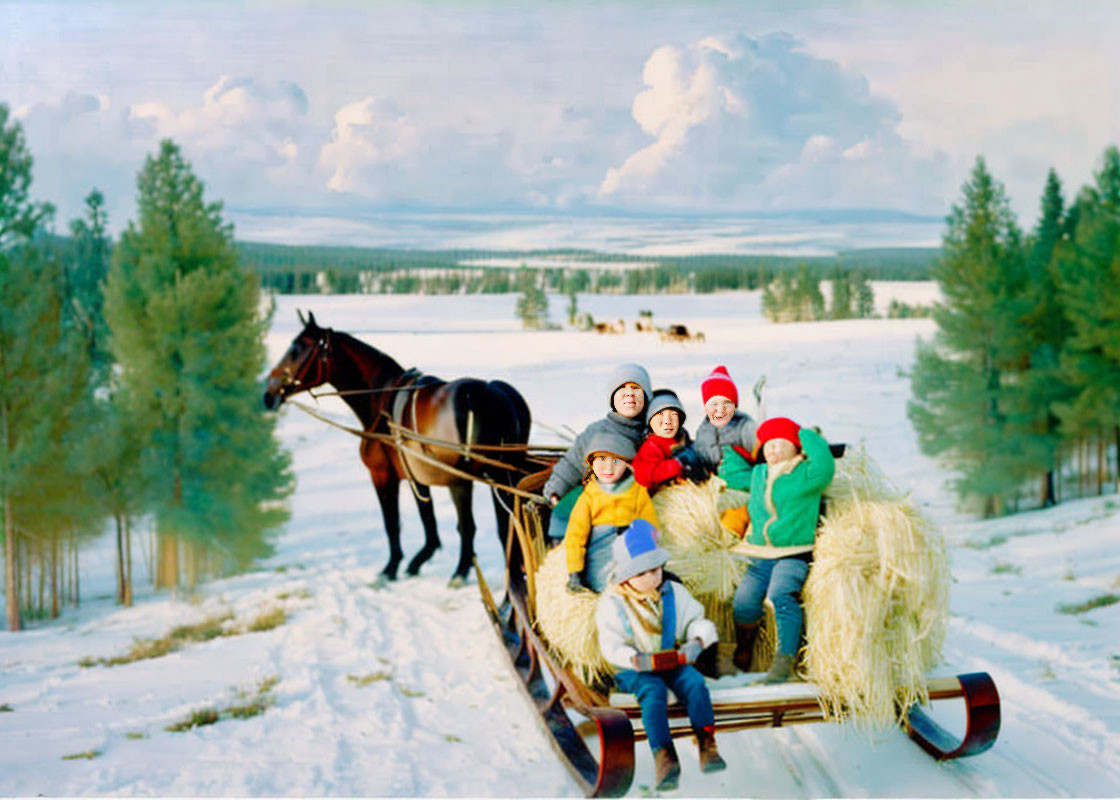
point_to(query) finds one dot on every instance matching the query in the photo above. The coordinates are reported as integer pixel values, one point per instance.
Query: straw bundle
(567, 620)
(876, 600)
(688, 514)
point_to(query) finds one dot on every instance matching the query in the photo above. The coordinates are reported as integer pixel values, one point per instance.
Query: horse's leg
(388, 493)
(461, 497)
(431, 532)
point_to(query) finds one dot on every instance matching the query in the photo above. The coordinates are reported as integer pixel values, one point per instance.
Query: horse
(433, 424)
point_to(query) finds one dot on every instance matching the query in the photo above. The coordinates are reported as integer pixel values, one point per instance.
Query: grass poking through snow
(210, 628)
(1100, 601)
(250, 703)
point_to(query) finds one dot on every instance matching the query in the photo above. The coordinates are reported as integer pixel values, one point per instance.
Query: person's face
(608, 468)
(719, 410)
(646, 581)
(778, 450)
(666, 423)
(628, 400)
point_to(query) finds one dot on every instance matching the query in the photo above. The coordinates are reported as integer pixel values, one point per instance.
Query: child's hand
(691, 650)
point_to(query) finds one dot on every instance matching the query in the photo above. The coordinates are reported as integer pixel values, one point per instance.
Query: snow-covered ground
(406, 691)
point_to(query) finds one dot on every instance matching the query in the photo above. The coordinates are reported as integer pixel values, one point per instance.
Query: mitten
(575, 584)
(691, 466)
(691, 650)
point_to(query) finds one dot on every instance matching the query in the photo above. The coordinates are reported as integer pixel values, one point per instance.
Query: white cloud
(253, 125)
(729, 116)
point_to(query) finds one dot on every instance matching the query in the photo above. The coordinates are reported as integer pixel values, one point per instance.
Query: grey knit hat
(663, 399)
(608, 441)
(628, 373)
(636, 551)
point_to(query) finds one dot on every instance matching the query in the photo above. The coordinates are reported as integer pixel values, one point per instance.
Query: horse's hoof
(457, 582)
(382, 581)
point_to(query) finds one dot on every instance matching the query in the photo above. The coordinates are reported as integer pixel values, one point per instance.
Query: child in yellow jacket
(611, 501)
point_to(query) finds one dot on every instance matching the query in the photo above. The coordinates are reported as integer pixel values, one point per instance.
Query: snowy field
(407, 692)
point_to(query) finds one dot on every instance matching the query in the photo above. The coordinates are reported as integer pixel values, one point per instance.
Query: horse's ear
(299, 313)
(311, 318)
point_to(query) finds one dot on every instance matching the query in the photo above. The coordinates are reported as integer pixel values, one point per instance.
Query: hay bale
(689, 518)
(566, 620)
(876, 599)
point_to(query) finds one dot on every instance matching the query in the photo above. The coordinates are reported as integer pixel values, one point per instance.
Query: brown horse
(389, 401)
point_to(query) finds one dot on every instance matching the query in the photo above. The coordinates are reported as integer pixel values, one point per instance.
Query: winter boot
(710, 759)
(667, 767)
(781, 670)
(708, 661)
(744, 645)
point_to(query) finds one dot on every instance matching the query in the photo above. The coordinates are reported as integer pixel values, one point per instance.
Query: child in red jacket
(666, 454)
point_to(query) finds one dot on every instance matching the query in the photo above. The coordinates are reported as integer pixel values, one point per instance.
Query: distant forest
(288, 269)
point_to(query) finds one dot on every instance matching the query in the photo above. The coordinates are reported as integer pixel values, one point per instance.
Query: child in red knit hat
(784, 506)
(725, 425)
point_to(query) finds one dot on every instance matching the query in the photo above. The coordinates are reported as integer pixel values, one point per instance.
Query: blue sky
(713, 107)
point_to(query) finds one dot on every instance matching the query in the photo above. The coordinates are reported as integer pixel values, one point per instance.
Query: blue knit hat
(636, 551)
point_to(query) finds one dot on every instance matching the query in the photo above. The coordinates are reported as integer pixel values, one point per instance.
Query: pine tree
(841, 306)
(532, 305)
(86, 276)
(864, 295)
(28, 331)
(1047, 329)
(966, 384)
(1089, 286)
(188, 335)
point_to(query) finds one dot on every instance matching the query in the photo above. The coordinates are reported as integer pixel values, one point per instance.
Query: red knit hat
(719, 382)
(779, 428)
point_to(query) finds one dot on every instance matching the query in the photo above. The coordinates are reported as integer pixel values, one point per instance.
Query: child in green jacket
(784, 506)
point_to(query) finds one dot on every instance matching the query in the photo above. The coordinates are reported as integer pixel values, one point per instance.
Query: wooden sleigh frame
(614, 721)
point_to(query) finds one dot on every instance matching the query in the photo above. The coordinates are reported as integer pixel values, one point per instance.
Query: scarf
(773, 472)
(644, 611)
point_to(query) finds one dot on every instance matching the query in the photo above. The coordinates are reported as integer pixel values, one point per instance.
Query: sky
(564, 108)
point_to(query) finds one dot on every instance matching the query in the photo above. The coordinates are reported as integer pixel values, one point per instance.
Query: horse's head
(305, 364)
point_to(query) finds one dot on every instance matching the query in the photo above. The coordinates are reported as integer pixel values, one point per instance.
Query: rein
(406, 432)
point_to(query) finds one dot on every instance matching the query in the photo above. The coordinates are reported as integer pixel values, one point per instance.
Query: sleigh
(594, 731)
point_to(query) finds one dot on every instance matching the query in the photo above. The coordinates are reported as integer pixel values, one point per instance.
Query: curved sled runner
(576, 715)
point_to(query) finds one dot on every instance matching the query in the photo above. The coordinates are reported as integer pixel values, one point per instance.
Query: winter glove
(574, 582)
(691, 466)
(691, 650)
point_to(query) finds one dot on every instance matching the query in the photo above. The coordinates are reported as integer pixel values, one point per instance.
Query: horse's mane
(368, 352)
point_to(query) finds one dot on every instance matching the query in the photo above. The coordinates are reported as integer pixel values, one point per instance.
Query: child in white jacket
(651, 630)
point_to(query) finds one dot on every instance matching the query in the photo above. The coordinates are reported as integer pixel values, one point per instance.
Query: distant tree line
(287, 269)
(797, 297)
(1019, 389)
(128, 389)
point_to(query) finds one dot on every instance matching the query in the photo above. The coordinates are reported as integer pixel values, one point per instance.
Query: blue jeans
(780, 579)
(651, 689)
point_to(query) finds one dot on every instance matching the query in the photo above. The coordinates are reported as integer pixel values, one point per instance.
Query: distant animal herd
(674, 332)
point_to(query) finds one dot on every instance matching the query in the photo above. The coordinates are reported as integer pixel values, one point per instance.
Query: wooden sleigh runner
(595, 732)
